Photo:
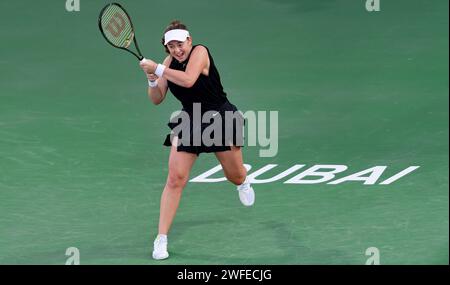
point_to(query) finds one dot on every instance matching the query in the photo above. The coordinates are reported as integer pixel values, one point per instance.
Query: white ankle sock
(245, 185)
(163, 237)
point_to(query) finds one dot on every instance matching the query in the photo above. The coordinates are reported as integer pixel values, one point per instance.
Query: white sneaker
(160, 248)
(246, 194)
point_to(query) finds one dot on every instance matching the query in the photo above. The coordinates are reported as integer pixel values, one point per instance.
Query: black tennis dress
(202, 104)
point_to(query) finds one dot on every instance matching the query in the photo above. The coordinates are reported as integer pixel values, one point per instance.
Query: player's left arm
(197, 62)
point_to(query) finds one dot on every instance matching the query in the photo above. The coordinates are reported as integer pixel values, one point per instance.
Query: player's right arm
(158, 93)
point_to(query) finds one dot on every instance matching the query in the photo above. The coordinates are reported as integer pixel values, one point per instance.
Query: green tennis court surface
(81, 157)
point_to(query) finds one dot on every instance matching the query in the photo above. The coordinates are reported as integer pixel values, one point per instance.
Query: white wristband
(160, 70)
(152, 84)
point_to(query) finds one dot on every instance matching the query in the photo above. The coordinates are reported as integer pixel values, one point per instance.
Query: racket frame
(139, 55)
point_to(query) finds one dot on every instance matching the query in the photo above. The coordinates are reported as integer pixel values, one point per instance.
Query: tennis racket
(116, 27)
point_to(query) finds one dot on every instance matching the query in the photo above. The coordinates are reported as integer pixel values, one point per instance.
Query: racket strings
(117, 26)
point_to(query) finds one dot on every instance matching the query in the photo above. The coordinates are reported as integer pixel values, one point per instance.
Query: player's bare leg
(233, 167)
(180, 165)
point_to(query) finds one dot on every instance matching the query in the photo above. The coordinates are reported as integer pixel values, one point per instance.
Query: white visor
(175, 35)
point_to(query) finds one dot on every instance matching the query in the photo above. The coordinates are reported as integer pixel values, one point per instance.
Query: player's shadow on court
(181, 227)
(288, 248)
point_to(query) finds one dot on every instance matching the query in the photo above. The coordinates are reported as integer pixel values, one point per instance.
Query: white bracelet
(152, 84)
(160, 70)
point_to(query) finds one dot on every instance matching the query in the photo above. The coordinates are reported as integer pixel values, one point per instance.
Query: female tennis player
(191, 76)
